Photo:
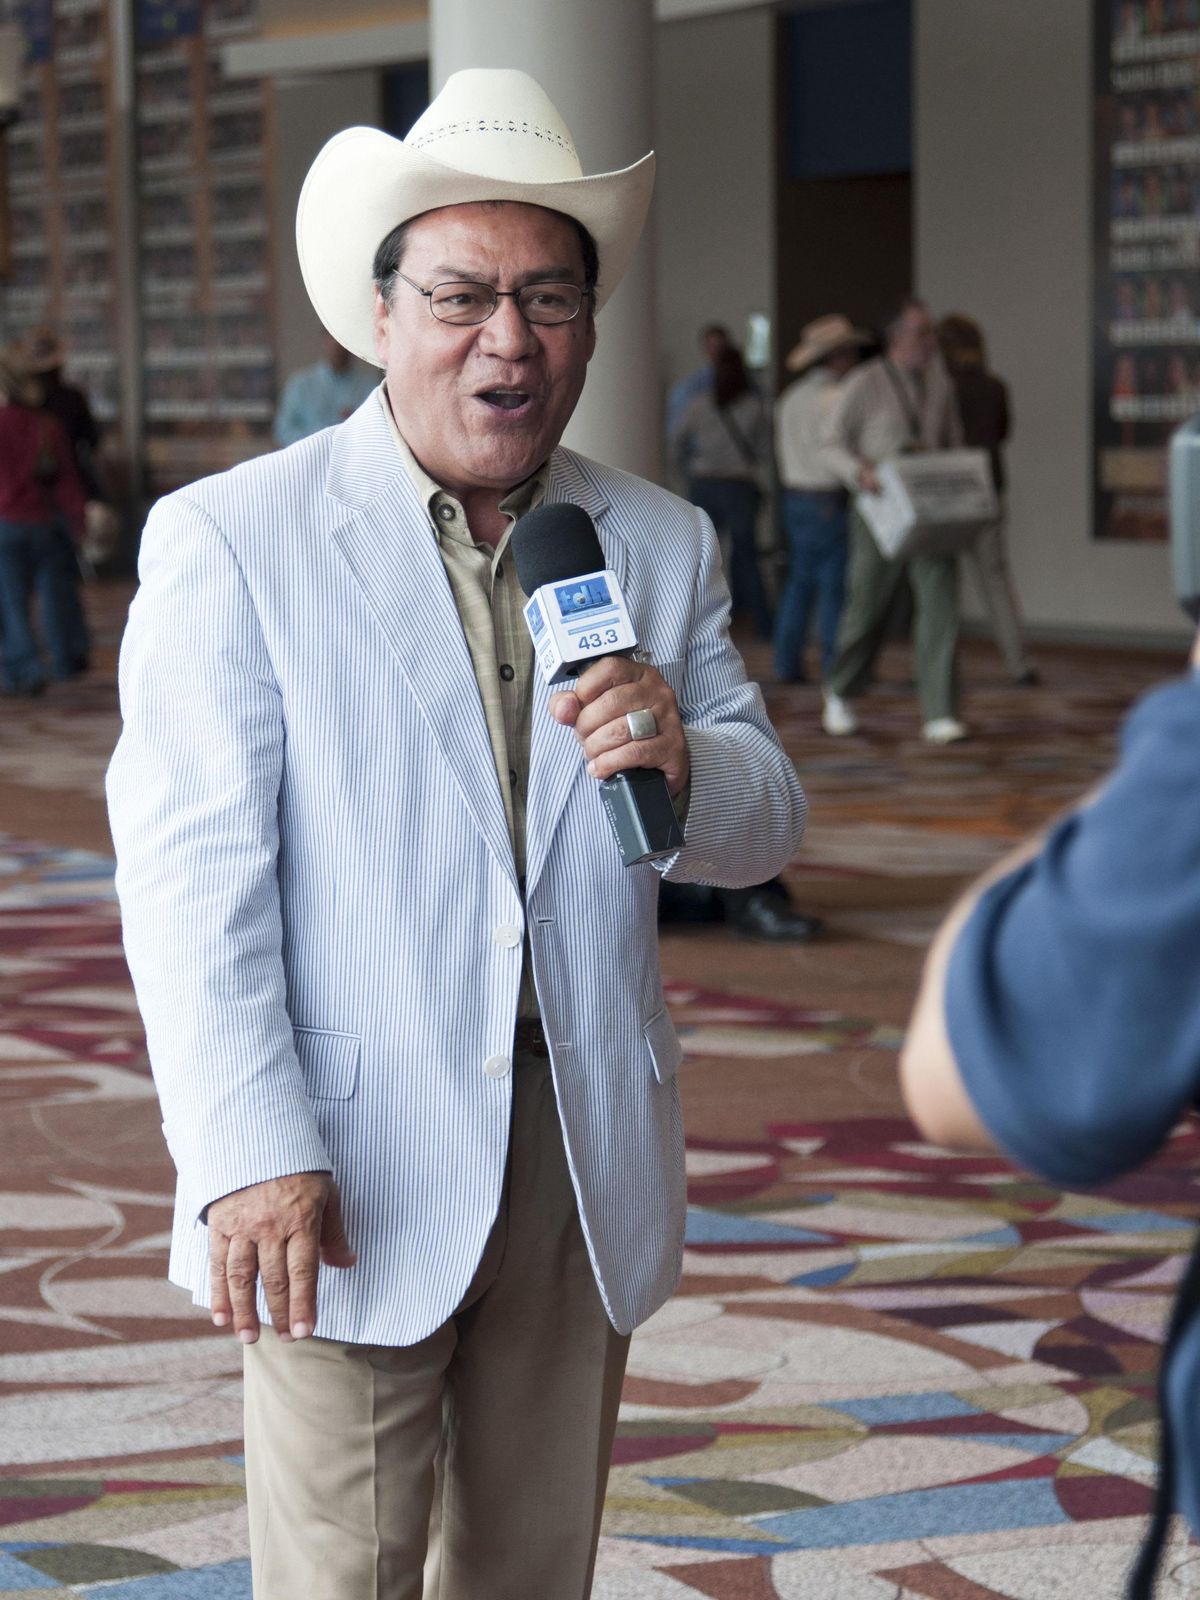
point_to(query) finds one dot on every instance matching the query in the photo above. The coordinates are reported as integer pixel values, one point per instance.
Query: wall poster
(1146, 286)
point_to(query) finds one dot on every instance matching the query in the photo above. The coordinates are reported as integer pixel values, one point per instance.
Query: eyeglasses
(465, 304)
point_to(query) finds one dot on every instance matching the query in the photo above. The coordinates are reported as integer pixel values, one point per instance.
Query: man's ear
(380, 327)
(591, 331)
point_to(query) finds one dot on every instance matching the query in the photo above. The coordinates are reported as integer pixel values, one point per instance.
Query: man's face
(482, 407)
(914, 342)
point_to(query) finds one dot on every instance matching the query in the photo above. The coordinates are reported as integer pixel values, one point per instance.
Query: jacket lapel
(392, 553)
(556, 761)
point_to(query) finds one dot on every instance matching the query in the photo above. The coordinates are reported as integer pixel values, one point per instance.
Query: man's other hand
(279, 1231)
(604, 693)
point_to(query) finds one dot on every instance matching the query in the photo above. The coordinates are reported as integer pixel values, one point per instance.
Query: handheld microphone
(576, 614)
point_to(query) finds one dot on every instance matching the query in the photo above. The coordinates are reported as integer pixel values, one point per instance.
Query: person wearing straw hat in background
(41, 513)
(43, 356)
(402, 1000)
(815, 501)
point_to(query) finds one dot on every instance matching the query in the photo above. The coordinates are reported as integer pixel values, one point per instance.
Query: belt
(530, 1038)
(820, 494)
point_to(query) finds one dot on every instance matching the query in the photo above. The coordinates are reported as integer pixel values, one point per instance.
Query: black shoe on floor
(766, 916)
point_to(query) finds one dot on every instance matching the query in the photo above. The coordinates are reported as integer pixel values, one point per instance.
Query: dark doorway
(844, 186)
(405, 96)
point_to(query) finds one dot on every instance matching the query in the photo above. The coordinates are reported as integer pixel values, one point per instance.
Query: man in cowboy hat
(402, 1000)
(814, 499)
(42, 355)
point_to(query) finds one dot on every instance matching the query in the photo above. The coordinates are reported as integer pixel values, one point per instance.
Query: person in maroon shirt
(41, 513)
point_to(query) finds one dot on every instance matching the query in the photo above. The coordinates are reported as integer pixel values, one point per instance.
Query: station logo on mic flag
(578, 621)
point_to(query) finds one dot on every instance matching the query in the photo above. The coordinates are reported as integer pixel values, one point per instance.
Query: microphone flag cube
(576, 621)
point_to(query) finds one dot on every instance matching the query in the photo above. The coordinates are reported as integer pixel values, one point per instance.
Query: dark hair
(730, 378)
(391, 249)
(961, 339)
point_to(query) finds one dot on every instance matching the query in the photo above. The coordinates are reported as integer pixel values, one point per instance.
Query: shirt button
(497, 1066)
(499, 571)
(507, 673)
(446, 513)
(506, 936)
(512, 777)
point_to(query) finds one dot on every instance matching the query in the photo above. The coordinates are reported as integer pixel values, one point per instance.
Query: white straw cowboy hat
(821, 338)
(489, 135)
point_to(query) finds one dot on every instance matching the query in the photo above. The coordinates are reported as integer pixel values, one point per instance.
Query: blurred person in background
(903, 401)
(42, 355)
(41, 511)
(723, 445)
(815, 502)
(983, 406)
(322, 395)
(714, 340)
(764, 910)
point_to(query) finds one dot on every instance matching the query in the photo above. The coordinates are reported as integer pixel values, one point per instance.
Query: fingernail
(300, 1330)
(220, 1320)
(247, 1335)
(283, 1336)
(592, 768)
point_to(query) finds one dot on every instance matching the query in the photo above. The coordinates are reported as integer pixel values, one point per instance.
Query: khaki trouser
(874, 580)
(513, 1399)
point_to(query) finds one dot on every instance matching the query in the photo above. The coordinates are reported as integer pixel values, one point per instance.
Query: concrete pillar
(595, 62)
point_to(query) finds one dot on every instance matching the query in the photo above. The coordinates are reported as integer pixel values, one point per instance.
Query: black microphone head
(553, 543)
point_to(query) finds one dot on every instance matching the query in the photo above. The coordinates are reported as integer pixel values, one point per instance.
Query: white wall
(715, 205)
(1002, 159)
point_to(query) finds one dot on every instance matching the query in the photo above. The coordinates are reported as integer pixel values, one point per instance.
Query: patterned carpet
(890, 1372)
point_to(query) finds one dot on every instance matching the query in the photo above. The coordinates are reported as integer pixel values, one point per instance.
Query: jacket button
(506, 936)
(496, 1066)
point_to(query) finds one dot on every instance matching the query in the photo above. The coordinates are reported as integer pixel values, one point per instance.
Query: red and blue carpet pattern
(889, 1373)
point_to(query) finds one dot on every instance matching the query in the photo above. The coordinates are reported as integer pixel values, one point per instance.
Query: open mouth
(506, 399)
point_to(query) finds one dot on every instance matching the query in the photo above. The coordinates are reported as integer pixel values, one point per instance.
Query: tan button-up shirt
(490, 604)
(881, 411)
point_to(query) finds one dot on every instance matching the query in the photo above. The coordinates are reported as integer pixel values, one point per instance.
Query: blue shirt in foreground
(1073, 993)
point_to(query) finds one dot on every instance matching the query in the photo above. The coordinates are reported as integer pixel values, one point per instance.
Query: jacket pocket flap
(662, 1041)
(329, 1062)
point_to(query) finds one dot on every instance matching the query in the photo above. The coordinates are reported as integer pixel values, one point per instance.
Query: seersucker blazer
(321, 912)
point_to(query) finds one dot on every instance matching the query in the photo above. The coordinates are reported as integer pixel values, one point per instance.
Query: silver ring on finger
(641, 724)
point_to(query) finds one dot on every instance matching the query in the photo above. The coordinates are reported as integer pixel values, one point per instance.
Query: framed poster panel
(1146, 255)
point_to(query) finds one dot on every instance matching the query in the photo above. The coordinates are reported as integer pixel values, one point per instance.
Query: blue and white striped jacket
(318, 888)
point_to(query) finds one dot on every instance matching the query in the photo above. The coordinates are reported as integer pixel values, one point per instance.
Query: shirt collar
(521, 498)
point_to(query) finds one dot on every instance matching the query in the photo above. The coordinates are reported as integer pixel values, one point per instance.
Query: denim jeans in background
(37, 563)
(732, 503)
(818, 548)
